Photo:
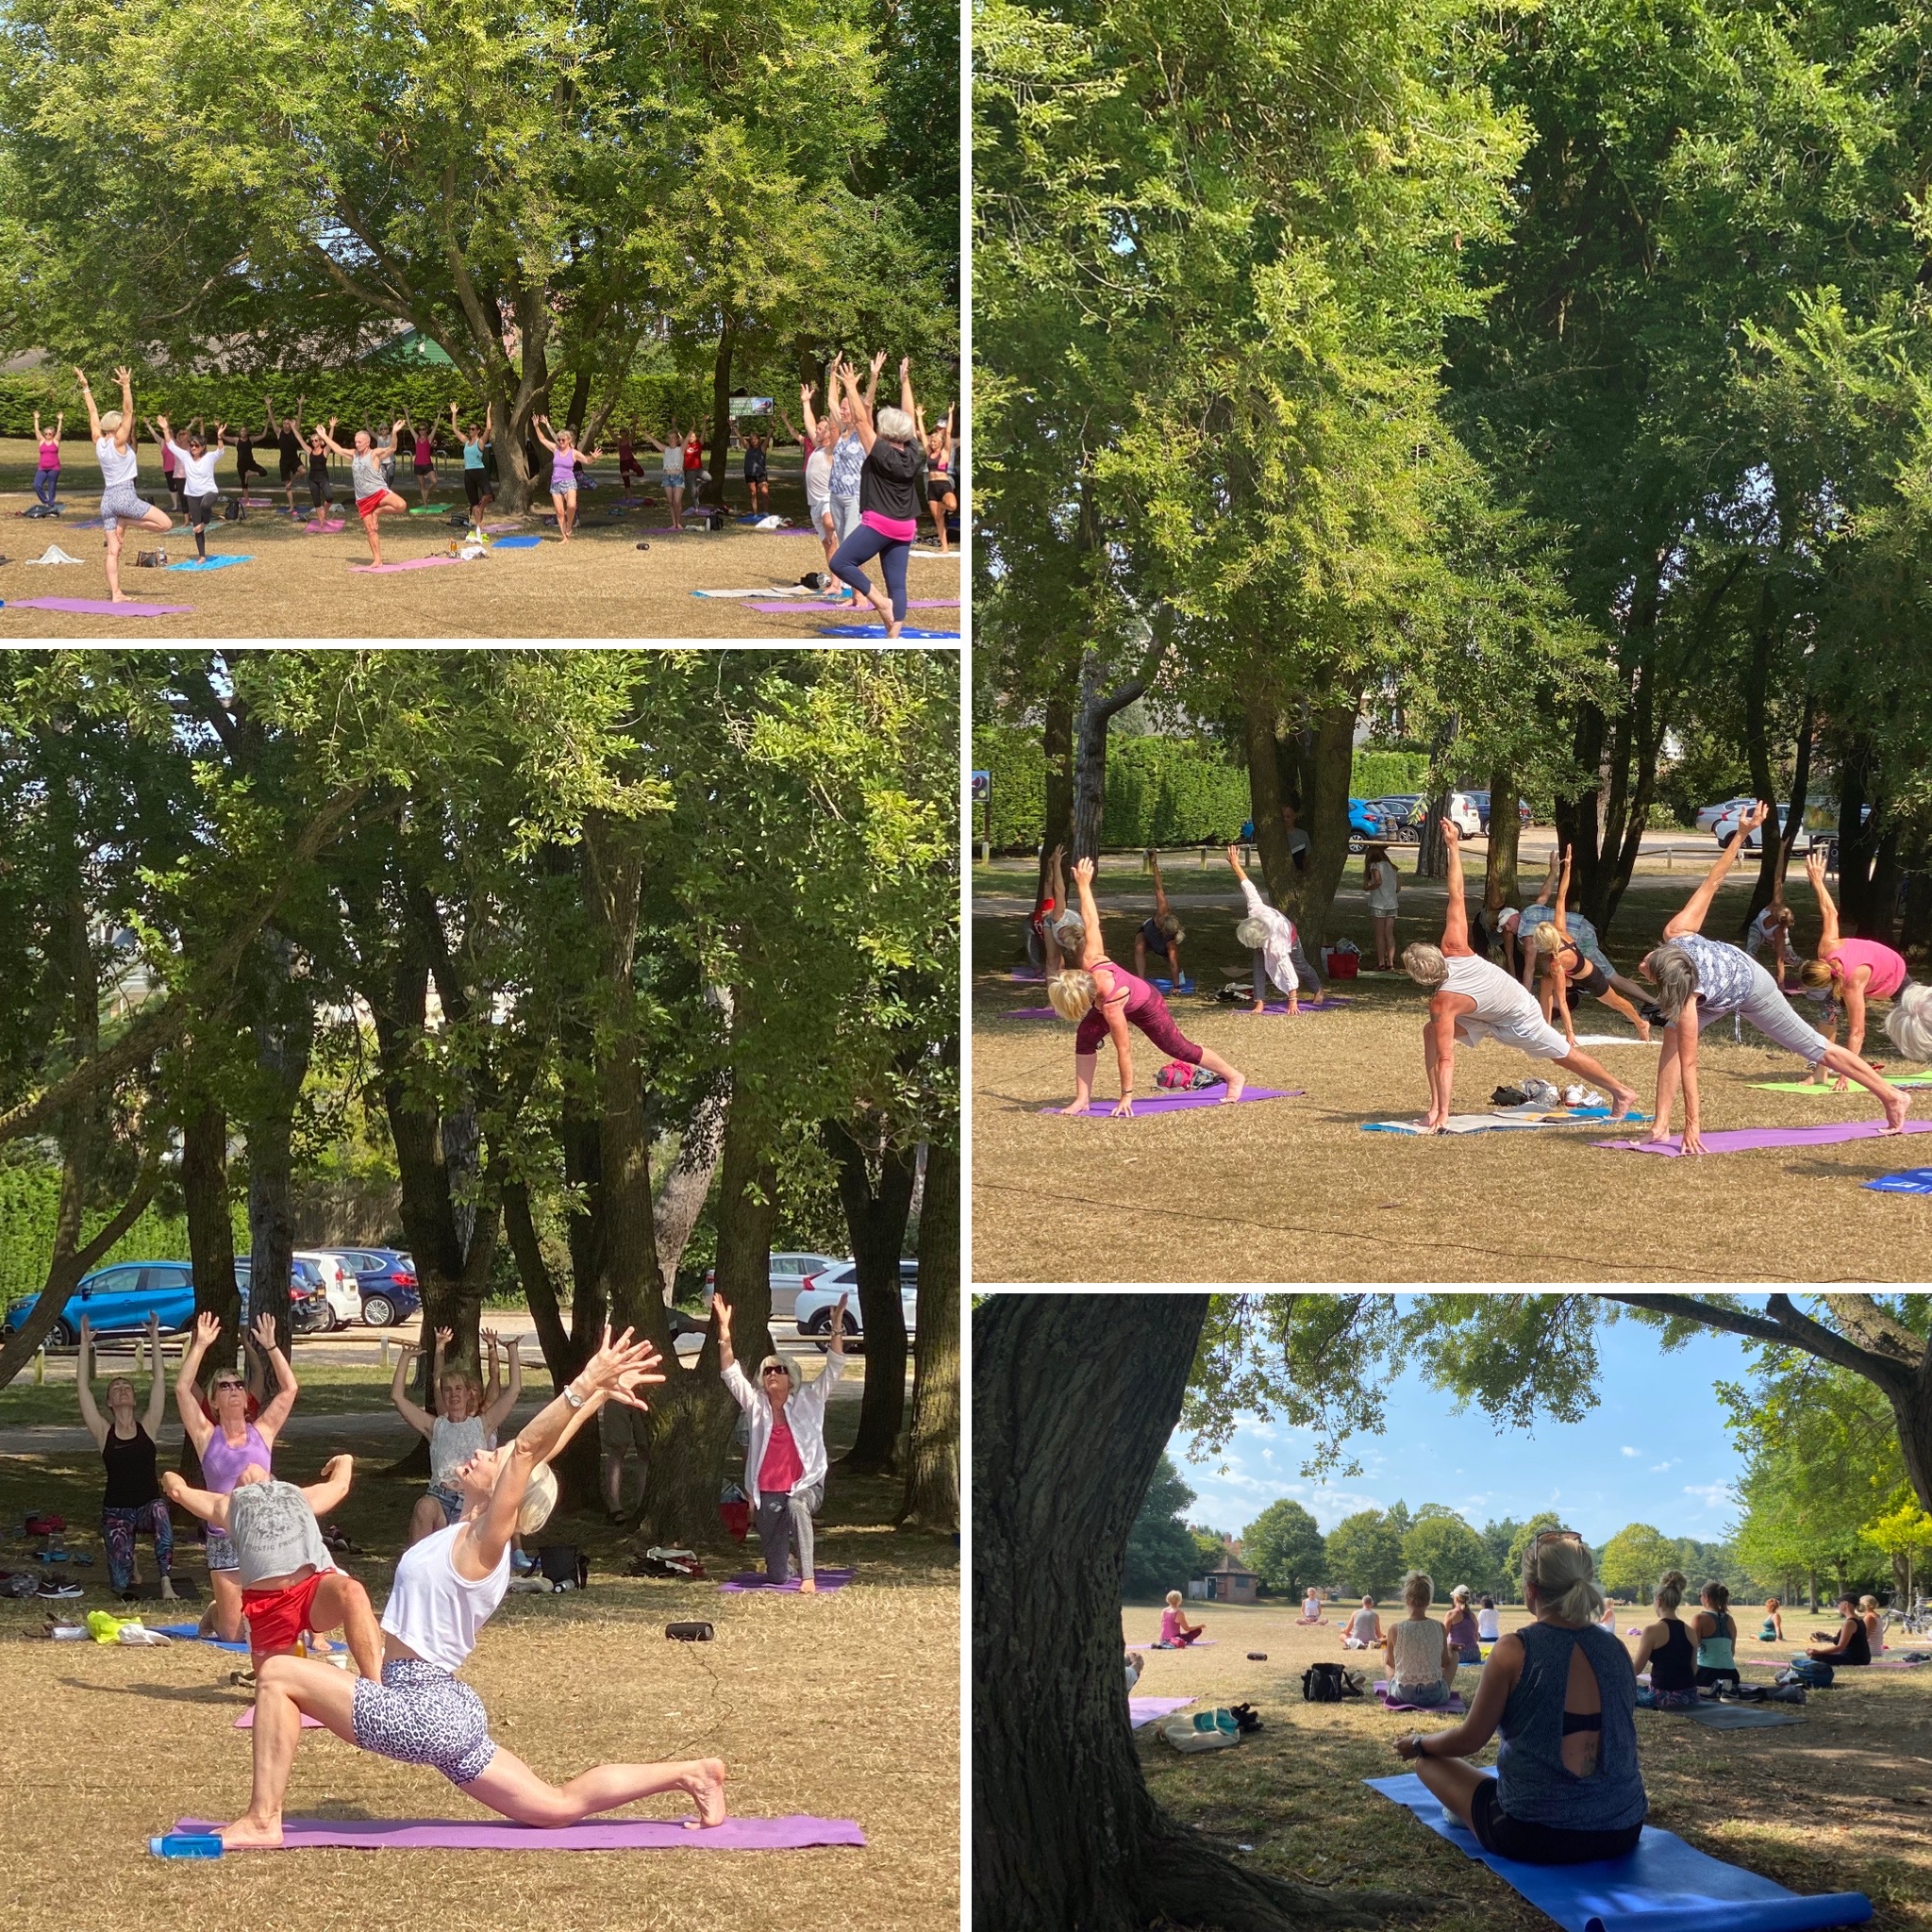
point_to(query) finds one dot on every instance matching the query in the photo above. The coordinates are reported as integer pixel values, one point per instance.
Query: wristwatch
(571, 1396)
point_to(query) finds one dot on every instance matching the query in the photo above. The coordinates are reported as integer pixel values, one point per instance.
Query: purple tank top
(222, 1461)
(1887, 967)
(563, 469)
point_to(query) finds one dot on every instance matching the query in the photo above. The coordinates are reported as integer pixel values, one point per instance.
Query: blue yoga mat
(1663, 1886)
(209, 562)
(516, 543)
(1167, 985)
(193, 1633)
(1910, 1180)
(879, 630)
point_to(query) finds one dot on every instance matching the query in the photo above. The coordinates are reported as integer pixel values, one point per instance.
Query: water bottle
(186, 1844)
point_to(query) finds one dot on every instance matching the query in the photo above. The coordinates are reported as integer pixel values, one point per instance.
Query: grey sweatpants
(1310, 979)
(785, 1520)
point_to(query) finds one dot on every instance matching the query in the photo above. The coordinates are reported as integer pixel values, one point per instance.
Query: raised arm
(413, 1413)
(83, 1374)
(493, 1380)
(906, 401)
(202, 1503)
(328, 1493)
(1091, 951)
(269, 1422)
(1456, 918)
(860, 407)
(1697, 909)
(1558, 915)
(871, 383)
(1159, 885)
(538, 425)
(123, 436)
(87, 395)
(498, 1412)
(328, 438)
(1828, 909)
(158, 1383)
(186, 1396)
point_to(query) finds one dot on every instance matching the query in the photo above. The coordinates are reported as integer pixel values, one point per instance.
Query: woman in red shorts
(1104, 998)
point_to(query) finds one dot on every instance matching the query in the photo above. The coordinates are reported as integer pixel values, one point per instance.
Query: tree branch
(1782, 1326)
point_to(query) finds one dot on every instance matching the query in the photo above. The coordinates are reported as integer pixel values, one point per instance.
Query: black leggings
(472, 487)
(1541, 1844)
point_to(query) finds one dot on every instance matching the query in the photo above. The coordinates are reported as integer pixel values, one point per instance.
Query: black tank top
(1858, 1649)
(131, 1463)
(1674, 1665)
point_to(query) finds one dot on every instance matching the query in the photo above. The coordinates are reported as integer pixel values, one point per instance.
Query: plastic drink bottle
(186, 1844)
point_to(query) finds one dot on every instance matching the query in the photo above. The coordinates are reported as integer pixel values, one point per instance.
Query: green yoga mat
(429, 510)
(1806, 1086)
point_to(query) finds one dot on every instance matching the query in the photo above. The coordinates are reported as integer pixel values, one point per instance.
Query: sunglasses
(223, 1388)
(774, 1370)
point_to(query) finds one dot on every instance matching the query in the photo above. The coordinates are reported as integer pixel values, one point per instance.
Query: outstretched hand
(1083, 869)
(622, 1366)
(1452, 832)
(1755, 815)
(206, 1327)
(722, 1309)
(265, 1333)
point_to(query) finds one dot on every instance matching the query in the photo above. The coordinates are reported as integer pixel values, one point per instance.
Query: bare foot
(167, 1590)
(1259, 1006)
(1643, 1030)
(1625, 1098)
(809, 1585)
(1237, 1085)
(704, 1781)
(251, 1834)
(1895, 1110)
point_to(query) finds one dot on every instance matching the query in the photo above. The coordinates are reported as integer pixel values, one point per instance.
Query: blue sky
(1654, 1450)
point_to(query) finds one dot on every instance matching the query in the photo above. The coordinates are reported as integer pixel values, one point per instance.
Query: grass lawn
(301, 585)
(842, 1706)
(1294, 1190)
(1837, 1803)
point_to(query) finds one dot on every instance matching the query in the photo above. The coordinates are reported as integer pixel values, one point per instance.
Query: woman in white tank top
(446, 1587)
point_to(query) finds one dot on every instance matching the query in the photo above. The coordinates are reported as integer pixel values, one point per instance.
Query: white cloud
(1629, 1451)
(1659, 1468)
(1712, 1495)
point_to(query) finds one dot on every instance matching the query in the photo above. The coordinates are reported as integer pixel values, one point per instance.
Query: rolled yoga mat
(1143, 1710)
(748, 1580)
(1453, 1708)
(1176, 1103)
(1663, 1886)
(101, 606)
(607, 1835)
(1741, 1139)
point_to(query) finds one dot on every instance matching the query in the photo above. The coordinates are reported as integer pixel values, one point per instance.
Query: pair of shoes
(60, 1591)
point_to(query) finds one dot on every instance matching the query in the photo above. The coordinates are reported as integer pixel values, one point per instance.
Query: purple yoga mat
(783, 604)
(1174, 1102)
(1455, 1707)
(100, 606)
(246, 1720)
(747, 1580)
(607, 1835)
(1279, 1008)
(371, 569)
(1143, 1710)
(1032, 973)
(1154, 1644)
(1033, 1013)
(1736, 1140)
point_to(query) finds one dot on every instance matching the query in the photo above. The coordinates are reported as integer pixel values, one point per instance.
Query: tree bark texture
(875, 1191)
(1505, 840)
(284, 1034)
(687, 1186)
(1327, 758)
(931, 1500)
(211, 1226)
(721, 411)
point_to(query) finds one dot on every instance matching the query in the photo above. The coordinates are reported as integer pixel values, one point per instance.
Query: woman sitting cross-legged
(1666, 1647)
(1461, 1628)
(1176, 1633)
(1488, 1621)
(1568, 1788)
(1422, 1662)
(1716, 1631)
(1311, 1607)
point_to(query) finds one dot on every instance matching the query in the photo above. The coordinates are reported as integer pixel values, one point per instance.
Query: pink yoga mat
(1176, 1103)
(246, 1720)
(1455, 1707)
(1738, 1140)
(371, 569)
(100, 606)
(747, 1580)
(1143, 1710)
(607, 1835)
(1154, 1644)
(784, 604)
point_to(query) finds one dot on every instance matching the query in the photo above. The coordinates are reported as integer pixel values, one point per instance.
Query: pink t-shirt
(1887, 967)
(1170, 1626)
(782, 1466)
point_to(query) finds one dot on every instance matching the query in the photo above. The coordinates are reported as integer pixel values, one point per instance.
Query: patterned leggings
(119, 1527)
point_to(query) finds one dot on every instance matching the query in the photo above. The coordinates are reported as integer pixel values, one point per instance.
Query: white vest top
(435, 1612)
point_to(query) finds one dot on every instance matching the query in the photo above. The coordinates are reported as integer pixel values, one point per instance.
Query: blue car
(118, 1300)
(1364, 820)
(387, 1277)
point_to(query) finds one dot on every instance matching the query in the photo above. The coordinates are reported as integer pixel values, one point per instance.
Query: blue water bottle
(187, 1844)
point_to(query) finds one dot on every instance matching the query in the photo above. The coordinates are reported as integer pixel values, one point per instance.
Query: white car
(1707, 815)
(789, 1272)
(1723, 828)
(340, 1287)
(819, 1296)
(1464, 813)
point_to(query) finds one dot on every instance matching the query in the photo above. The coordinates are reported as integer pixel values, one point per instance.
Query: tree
(1161, 1552)
(1284, 1546)
(1446, 1550)
(1364, 1553)
(1631, 1561)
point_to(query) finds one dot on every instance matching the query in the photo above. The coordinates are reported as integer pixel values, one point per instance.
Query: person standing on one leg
(372, 495)
(1472, 1000)
(817, 441)
(132, 1500)
(785, 1459)
(941, 498)
(121, 501)
(288, 440)
(195, 464)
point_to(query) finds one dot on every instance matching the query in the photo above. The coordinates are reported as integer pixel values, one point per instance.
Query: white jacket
(804, 1415)
(1277, 954)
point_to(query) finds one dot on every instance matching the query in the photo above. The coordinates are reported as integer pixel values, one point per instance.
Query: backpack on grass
(1177, 1076)
(561, 1563)
(1328, 1683)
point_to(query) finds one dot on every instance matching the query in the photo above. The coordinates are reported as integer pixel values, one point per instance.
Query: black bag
(1247, 1716)
(564, 1563)
(1324, 1684)
(232, 510)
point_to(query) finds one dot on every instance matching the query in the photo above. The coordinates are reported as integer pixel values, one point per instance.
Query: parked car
(1707, 815)
(813, 1313)
(1481, 801)
(789, 1273)
(1398, 813)
(308, 1310)
(118, 1300)
(341, 1290)
(385, 1279)
(1724, 826)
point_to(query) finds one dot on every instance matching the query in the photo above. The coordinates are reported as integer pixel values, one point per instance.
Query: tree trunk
(1327, 760)
(1855, 836)
(1074, 1400)
(1259, 738)
(1506, 840)
(283, 1037)
(1058, 822)
(1577, 812)
(211, 1227)
(1775, 853)
(579, 1469)
(721, 410)
(932, 1451)
(1097, 711)
(1881, 898)
(875, 1191)
(687, 1186)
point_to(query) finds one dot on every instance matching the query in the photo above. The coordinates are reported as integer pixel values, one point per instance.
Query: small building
(1228, 1582)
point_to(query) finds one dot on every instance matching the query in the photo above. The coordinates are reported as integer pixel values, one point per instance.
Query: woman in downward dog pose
(1161, 933)
(1852, 971)
(1472, 1000)
(366, 484)
(447, 1588)
(121, 500)
(1568, 963)
(1700, 979)
(785, 1458)
(228, 1445)
(132, 1500)
(889, 486)
(1103, 998)
(1274, 946)
(462, 1425)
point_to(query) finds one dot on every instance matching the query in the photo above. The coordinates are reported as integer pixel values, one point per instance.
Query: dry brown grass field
(1841, 1802)
(1288, 1190)
(842, 1705)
